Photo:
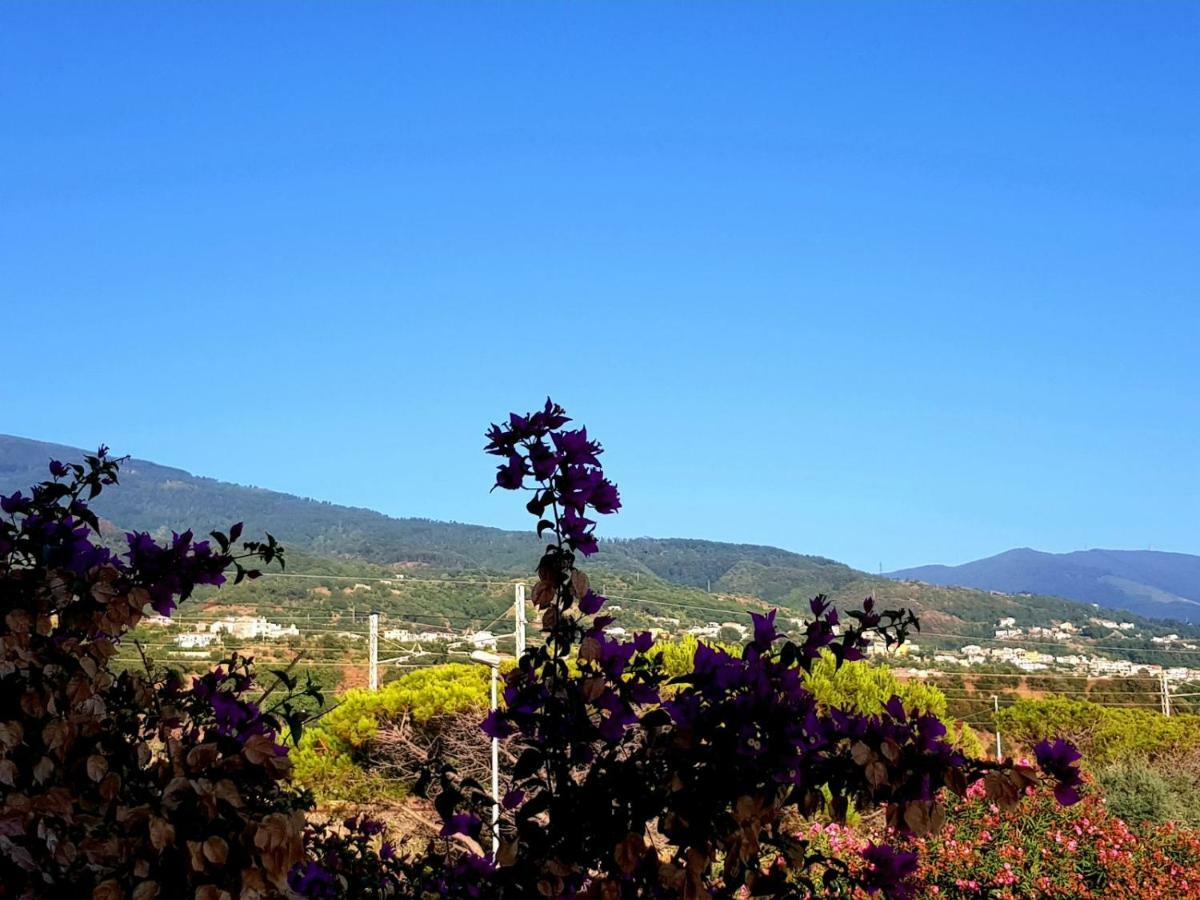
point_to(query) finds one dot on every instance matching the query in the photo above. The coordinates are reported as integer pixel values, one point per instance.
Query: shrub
(131, 784)
(1141, 793)
(340, 758)
(1047, 850)
(622, 791)
(1105, 735)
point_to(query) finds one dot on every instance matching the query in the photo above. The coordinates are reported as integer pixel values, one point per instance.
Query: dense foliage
(131, 784)
(625, 782)
(1082, 852)
(1140, 792)
(350, 753)
(1105, 735)
(624, 789)
(367, 745)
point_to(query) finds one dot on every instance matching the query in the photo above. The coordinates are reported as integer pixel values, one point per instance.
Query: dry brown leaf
(216, 850)
(97, 767)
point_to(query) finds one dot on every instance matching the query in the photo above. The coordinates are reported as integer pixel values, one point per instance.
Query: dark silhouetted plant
(623, 788)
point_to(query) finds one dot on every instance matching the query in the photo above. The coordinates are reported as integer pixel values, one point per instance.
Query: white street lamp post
(492, 660)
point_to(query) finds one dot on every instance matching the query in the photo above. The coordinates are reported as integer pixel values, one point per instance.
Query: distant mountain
(153, 497)
(694, 579)
(1149, 582)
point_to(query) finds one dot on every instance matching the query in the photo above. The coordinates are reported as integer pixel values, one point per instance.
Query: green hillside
(452, 574)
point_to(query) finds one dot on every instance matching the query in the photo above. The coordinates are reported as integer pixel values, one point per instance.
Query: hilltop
(1152, 583)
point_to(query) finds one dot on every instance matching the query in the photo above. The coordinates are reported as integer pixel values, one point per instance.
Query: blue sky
(892, 283)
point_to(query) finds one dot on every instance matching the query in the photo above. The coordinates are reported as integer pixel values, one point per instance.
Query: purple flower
(591, 602)
(889, 869)
(543, 459)
(58, 469)
(1058, 761)
(513, 799)
(578, 484)
(576, 448)
(14, 504)
(500, 441)
(462, 823)
(495, 725)
(577, 532)
(550, 417)
(764, 629)
(312, 880)
(510, 475)
(643, 641)
(895, 708)
(605, 498)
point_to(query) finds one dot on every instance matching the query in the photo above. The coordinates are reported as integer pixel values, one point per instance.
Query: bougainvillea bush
(622, 789)
(130, 784)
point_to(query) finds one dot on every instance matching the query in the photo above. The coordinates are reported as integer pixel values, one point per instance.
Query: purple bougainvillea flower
(577, 485)
(496, 725)
(605, 498)
(462, 823)
(16, 503)
(895, 708)
(550, 417)
(312, 880)
(577, 532)
(544, 460)
(513, 799)
(58, 469)
(511, 475)
(591, 602)
(764, 628)
(889, 870)
(1058, 760)
(576, 448)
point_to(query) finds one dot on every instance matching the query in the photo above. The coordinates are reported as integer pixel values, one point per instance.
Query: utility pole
(1166, 696)
(373, 650)
(996, 722)
(519, 607)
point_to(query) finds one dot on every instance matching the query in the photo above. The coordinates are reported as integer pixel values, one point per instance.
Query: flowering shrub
(353, 860)
(132, 784)
(620, 790)
(1048, 850)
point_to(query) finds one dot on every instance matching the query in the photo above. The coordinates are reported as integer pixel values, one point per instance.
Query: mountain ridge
(1155, 583)
(158, 498)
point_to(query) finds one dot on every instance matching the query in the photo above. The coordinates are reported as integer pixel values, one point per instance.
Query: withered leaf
(216, 850)
(97, 767)
(579, 584)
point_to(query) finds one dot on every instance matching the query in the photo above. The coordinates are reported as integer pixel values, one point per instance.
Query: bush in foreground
(134, 784)
(624, 790)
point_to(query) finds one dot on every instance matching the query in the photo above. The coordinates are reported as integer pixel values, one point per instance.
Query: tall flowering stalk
(629, 783)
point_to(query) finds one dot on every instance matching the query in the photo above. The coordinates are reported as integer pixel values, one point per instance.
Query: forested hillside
(693, 580)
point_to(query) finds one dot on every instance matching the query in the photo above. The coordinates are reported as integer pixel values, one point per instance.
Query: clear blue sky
(893, 283)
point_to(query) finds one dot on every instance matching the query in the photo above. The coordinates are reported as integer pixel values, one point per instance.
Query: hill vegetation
(447, 574)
